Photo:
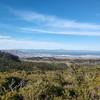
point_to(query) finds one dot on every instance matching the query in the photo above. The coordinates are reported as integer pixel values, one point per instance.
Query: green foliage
(16, 97)
(48, 81)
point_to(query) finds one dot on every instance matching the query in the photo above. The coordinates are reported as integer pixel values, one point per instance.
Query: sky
(50, 24)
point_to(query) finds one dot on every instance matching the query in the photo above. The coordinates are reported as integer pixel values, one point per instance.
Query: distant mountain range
(53, 53)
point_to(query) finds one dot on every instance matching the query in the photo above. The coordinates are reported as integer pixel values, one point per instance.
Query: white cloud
(53, 21)
(51, 25)
(66, 32)
(55, 25)
(10, 43)
(4, 37)
(28, 44)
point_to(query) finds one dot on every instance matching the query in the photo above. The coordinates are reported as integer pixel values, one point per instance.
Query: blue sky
(50, 24)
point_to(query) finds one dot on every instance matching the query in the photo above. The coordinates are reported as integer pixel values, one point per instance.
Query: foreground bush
(74, 82)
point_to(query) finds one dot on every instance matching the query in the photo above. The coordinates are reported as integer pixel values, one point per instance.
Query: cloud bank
(7, 42)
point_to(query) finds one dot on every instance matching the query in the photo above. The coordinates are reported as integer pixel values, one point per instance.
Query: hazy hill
(4, 56)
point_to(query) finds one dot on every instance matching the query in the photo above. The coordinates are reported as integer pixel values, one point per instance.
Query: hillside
(25, 80)
(4, 56)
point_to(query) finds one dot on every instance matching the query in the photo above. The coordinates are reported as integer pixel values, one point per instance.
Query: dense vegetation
(47, 81)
